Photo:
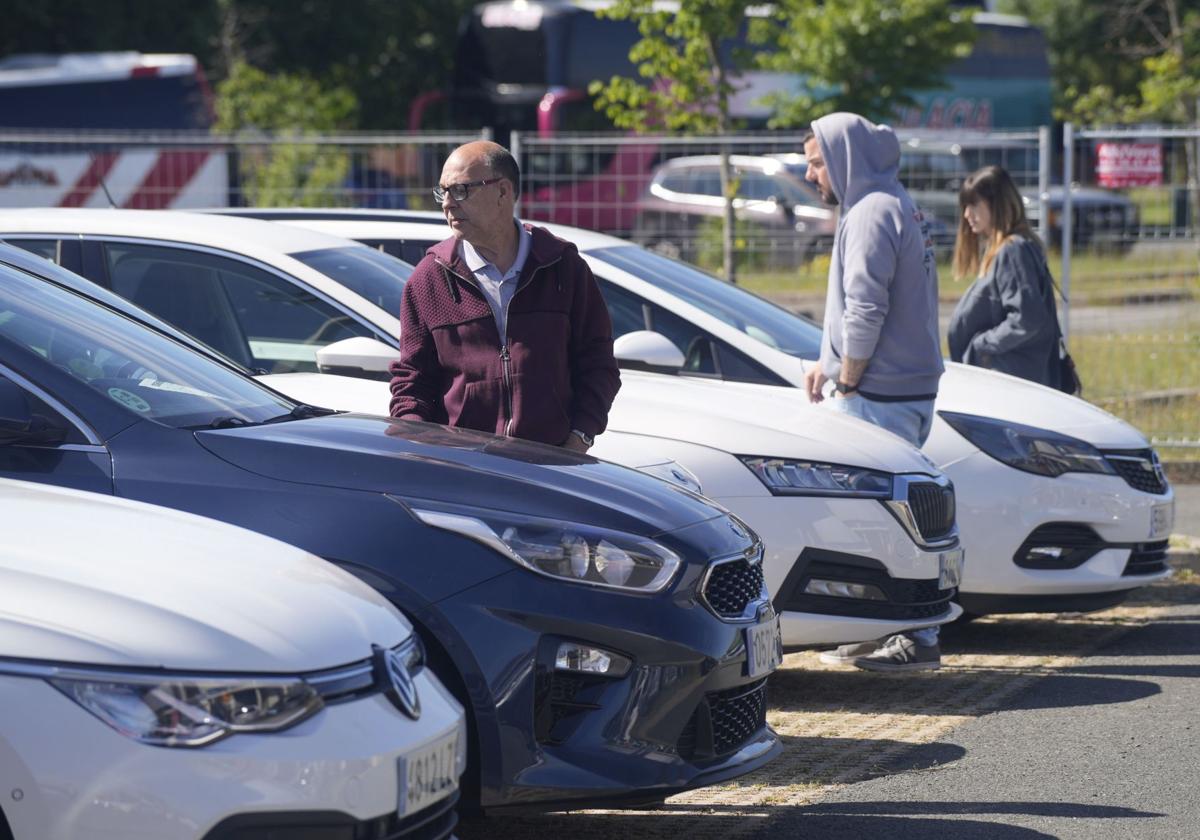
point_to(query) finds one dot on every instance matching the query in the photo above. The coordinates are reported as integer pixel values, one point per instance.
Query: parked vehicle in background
(548, 588)
(47, 102)
(933, 170)
(1060, 505)
(169, 676)
(780, 216)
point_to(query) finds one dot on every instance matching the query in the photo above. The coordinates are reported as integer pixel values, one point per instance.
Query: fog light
(589, 660)
(1042, 552)
(844, 589)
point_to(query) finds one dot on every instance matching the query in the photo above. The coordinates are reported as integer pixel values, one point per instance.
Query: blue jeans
(911, 420)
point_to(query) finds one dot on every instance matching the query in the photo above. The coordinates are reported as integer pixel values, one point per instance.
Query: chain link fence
(181, 170)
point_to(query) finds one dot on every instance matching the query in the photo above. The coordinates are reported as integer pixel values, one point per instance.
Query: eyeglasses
(459, 192)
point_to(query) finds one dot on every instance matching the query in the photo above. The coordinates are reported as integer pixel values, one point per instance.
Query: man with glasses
(503, 328)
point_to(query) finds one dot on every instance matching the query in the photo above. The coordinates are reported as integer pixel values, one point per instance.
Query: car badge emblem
(737, 529)
(399, 685)
(1156, 465)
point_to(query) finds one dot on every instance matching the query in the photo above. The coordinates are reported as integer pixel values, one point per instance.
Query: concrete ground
(1038, 726)
(1187, 510)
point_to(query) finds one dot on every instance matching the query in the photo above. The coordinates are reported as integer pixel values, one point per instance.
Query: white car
(859, 527)
(167, 676)
(1061, 506)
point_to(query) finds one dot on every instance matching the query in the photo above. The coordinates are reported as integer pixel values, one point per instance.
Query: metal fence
(1123, 239)
(181, 170)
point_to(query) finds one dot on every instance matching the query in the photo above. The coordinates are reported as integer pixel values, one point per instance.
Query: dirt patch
(840, 725)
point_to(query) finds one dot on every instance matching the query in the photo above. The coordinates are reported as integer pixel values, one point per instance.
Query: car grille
(435, 822)
(724, 721)
(905, 599)
(1148, 558)
(1139, 468)
(933, 508)
(732, 586)
(1076, 544)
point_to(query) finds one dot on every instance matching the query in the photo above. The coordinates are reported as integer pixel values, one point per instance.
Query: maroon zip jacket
(555, 372)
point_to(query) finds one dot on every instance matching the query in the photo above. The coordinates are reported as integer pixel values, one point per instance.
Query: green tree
(863, 56)
(285, 106)
(690, 80)
(854, 55)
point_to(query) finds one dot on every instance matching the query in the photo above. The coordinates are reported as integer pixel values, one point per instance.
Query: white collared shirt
(496, 287)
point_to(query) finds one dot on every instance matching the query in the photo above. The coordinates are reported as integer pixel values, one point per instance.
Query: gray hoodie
(882, 299)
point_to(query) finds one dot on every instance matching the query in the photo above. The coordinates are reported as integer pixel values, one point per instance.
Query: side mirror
(366, 358)
(647, 350)
(18, 423)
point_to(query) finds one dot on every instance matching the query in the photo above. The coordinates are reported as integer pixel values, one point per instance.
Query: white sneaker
(846, 654)
(901, 653)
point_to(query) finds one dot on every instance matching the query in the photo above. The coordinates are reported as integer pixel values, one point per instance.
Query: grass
(1096, 279)
(1151, 380)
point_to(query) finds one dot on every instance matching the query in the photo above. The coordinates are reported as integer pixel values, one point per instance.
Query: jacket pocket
(480, 405)
(539, 410)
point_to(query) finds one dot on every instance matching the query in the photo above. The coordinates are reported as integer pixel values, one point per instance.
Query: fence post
(514, 149)
(1044, 154)
(1066, 222)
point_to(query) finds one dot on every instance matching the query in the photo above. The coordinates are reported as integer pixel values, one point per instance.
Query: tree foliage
(863, 56)
(1121, 61)
(251, 102)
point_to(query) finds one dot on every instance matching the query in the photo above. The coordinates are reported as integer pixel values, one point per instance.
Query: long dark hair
(994, 186)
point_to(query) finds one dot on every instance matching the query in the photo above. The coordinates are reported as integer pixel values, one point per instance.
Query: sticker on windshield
(175, 388)
(129, 400)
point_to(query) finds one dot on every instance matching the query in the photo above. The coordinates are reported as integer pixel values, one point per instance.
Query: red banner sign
(1129, 164)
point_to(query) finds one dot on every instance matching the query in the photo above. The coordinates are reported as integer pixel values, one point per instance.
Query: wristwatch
(843, 388)
(587, 439)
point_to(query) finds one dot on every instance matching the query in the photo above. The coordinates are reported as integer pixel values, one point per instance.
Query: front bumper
(78, 779)
(844, 539)
(685, 714)
(1004, 512)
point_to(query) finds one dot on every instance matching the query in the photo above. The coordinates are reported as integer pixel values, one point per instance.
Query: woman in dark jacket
(1007, 320)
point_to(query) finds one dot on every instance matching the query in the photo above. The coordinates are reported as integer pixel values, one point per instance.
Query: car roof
(250, 237)
(377, 224)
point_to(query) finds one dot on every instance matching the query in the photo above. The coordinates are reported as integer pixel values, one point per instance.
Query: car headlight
(791, 477)
(1029, 448)
(563, 550)
(190, 712)
(676, 474)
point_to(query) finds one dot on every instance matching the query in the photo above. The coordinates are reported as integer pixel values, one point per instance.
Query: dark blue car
(609, 634)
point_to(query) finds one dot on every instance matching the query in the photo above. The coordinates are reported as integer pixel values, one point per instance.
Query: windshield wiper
(301, 412)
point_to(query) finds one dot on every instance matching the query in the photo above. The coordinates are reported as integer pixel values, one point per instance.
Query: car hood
(972, 390)
(427, 461)
(93, 580)
(756, 420)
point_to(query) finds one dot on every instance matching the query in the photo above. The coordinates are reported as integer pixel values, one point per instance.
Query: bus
(57, 115)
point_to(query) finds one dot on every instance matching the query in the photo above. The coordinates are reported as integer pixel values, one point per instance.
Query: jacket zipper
(505, 358)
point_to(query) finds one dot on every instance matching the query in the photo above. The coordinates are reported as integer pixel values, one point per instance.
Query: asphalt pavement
(1107, 748)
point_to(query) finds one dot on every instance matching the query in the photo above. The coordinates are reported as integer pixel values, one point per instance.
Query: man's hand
(574, 443)
(813, 382)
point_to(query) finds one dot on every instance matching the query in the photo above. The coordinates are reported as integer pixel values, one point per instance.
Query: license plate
(950, 568)
(428, 774)
(1162, 520)
(764, 648)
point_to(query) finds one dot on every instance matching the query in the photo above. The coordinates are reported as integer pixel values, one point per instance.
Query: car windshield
(760, 319)
(371, 274)
(132, 365)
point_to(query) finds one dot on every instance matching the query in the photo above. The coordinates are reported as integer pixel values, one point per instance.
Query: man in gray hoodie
(880, 346)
